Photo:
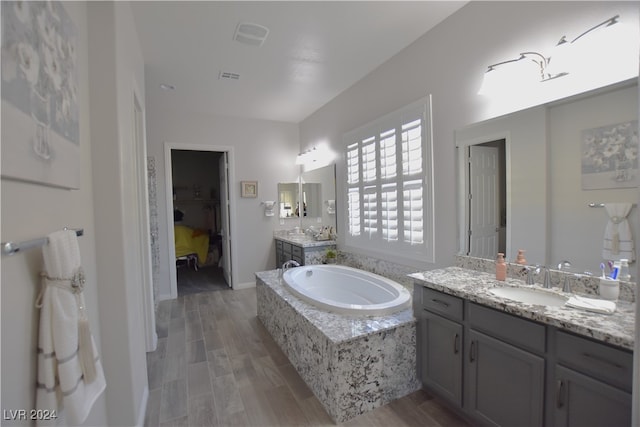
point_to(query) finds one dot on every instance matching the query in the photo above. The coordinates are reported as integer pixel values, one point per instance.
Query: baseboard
(247, 285)
(164, 297)
(142, 411)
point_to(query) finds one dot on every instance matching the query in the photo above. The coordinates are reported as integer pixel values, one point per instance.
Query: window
(389, 184)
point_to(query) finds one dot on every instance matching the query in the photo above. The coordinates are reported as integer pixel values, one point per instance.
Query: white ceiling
(314, 51)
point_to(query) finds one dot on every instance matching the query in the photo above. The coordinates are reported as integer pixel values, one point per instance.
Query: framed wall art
(610, 156)
(249, 188)
(40, 113)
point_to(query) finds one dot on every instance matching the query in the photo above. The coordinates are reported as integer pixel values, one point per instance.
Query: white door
(225, 228)
(484, 212)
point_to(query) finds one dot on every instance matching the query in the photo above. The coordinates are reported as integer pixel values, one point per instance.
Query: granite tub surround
(390, 270)
(583, 284)
(616, 329)
(352, 364)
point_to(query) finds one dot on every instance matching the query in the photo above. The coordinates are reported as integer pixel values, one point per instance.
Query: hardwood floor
(216, 365)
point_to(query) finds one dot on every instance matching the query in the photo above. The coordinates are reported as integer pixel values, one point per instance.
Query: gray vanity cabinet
(593, 383)
(440, 334)
(285, 251)
(581, 401)
(504, 368)
(504, 384)
(303, 253)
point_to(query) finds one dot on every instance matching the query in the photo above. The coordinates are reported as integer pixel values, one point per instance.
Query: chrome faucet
(547, 278)
(565, 266)
(287, 265)
(531, 270)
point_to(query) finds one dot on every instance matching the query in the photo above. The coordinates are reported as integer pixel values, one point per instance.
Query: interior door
(484, 207)
(225, 233)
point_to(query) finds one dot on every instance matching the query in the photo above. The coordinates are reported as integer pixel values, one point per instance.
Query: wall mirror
(288, 199)
(525, 174)
(312, 200)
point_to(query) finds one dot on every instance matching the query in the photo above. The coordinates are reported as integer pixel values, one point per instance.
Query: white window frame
(369, 239)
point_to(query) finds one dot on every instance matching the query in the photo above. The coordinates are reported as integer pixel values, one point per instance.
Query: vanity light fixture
(609, 22)
(518, 73)
(573, 55)
(306, 157)
(528, 68)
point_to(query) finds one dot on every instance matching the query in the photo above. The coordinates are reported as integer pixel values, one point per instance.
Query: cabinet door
(441, 356)
(504, 385)
(581, 401)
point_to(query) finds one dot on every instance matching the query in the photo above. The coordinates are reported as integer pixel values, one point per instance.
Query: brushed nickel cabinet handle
(472, 351)
(560, 394)
(456, 344)
(437, 301)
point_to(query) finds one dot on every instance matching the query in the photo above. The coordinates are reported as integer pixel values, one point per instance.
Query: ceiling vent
(251, 34)
(226, 75)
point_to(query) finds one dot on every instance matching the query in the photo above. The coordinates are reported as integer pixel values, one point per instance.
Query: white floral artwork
(610, 156)
(40, 117)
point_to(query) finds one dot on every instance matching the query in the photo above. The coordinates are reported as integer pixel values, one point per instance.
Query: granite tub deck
(616, 329)
(352, 364)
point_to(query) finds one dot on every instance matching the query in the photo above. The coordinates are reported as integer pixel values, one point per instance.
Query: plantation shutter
(389, 206)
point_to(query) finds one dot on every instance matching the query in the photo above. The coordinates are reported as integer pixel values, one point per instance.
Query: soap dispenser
(520, 257)
(501, 267)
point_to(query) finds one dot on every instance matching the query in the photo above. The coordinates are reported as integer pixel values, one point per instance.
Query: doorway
(199, 219)
(487, 199)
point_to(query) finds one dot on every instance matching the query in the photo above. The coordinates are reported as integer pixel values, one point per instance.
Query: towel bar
(601, 205)
(10, 248)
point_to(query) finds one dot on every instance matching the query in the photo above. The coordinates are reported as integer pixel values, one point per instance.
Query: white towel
(618, 241)
(591, 304)
(62, 386)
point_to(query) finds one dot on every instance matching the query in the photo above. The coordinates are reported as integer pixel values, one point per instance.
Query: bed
(192, 246)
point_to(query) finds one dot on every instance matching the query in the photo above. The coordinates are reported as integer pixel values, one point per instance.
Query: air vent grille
(251, 34)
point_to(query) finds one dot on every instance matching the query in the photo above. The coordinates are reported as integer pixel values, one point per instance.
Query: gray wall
(449, 62)
(31, 211)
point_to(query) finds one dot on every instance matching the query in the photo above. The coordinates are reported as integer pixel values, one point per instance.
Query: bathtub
(347, 290)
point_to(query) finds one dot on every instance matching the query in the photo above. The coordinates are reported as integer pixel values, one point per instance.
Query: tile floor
(216, 365)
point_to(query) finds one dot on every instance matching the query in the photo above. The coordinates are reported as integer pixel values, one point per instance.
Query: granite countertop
(337, 327)
(617, 329)
(303, 240)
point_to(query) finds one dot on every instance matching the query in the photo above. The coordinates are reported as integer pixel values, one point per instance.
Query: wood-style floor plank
(216, 365)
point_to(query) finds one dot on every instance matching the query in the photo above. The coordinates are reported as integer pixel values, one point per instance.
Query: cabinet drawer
(515, 330)
(278, 245)
(441, 303)
(296, 251)
(601, 361)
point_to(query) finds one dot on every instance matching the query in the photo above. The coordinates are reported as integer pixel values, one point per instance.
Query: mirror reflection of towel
(618, 241)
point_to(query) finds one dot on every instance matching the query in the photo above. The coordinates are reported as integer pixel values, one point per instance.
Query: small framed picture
(249, 188)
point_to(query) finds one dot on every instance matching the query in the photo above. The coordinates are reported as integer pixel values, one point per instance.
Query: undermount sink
(530, 296)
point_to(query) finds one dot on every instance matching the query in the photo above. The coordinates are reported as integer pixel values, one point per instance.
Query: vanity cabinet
(440, 350)
(503, 370)
(314, 254)
(592, 383)
(504, 385)
(286, 251)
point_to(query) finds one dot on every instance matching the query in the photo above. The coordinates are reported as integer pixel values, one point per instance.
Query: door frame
(139, 139)
(168, 147)
(464, 189)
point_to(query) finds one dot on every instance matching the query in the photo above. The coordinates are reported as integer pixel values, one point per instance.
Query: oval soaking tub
(347, 290)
